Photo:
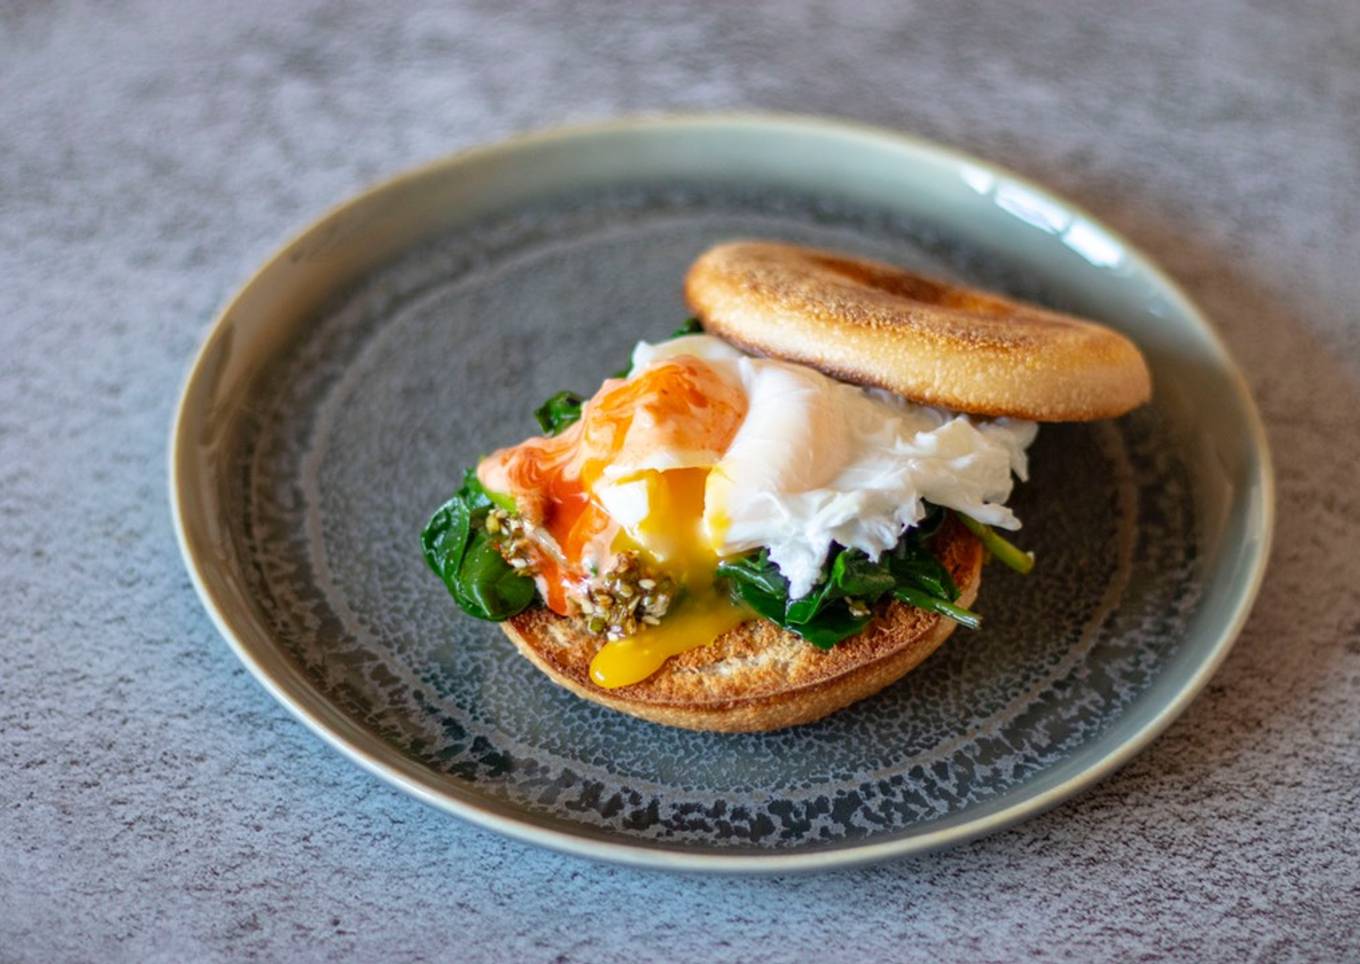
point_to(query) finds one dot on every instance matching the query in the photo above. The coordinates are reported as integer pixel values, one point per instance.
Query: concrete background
(156, 804)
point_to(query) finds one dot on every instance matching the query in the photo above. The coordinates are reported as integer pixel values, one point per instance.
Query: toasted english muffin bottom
(759, 676)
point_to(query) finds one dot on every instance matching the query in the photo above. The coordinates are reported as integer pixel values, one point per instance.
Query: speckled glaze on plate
(344, 389)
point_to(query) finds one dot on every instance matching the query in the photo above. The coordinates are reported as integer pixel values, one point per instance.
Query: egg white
(817, 461)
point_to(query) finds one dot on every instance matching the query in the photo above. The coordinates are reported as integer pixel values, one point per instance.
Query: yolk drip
(672, 535)
(695, 621)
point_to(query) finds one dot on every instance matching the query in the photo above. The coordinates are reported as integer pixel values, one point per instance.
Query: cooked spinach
(463, 554)
(558, 412)
(838, 606)
(923, 600)
(757, 581)
(692, 326)
(1000, 548)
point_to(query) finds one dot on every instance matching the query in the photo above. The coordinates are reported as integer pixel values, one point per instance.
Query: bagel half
(759, 676)
(931, 342)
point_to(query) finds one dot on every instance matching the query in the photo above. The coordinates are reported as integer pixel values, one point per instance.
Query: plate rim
(393, 768)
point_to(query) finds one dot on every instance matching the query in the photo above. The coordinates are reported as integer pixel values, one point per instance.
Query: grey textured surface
(156, 804)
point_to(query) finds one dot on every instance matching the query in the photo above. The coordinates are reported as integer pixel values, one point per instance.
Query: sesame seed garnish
(622, 600)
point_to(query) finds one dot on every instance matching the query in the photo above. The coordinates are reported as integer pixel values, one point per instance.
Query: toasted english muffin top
(931, 342)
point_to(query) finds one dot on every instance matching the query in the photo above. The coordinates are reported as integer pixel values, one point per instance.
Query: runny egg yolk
(672, 535)
(666, 428)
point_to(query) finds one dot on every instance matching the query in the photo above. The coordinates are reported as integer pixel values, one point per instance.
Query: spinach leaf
(757, 582)
(824, 617)
(911, 563)
(856, 575)
(821, 617)
(462, 553)
(559, 412)
(692, 326)
(1000, 548)
(496, 589)
(757, 571)
(830, 626)
(923, 600)
(851, 575)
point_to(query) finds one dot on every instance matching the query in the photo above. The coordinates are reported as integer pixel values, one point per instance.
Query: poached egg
(703, 452)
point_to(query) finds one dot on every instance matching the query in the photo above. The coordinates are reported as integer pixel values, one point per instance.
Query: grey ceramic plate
(344, 389)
